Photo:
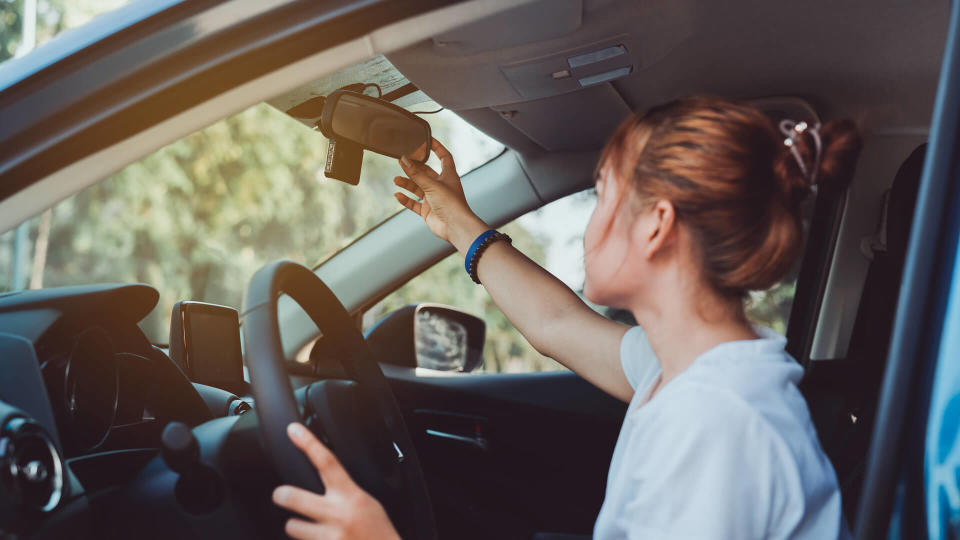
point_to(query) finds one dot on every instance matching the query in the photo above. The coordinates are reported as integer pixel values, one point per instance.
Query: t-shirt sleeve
(639, 362)
(714, 470)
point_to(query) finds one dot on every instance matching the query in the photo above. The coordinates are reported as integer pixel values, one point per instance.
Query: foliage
(446, 282)
(53, 17)
(198, 217)
(771, 308)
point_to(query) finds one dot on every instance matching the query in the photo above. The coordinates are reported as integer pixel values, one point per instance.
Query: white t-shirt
(724, 450)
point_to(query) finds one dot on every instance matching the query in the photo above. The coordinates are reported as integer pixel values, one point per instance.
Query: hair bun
(840, 145)
(841, 149)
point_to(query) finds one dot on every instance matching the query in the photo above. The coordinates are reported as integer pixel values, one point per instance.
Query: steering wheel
(378, 454)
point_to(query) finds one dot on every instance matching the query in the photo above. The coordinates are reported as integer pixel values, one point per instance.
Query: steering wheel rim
(274, 400)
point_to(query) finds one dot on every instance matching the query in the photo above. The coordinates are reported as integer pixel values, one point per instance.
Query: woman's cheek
(593, 256)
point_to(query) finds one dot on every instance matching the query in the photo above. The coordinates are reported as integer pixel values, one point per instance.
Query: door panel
(510, 455)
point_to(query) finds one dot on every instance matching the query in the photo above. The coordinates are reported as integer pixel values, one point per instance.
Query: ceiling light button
(597, 56)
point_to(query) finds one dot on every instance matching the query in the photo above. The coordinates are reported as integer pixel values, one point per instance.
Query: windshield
(27, 24)
(197, 218)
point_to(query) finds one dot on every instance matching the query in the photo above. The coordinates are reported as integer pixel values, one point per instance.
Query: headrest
(903, 199)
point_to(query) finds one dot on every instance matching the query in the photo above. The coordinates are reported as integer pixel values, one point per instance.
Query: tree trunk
(40, 249)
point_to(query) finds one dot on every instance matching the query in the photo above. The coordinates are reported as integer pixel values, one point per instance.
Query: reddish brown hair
(732, 182)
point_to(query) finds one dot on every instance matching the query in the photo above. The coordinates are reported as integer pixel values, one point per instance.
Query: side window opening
(552, 236)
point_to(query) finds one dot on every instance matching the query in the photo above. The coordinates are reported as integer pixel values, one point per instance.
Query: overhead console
(547, 75)
(572, 69)
(567, 90)
(522, 53)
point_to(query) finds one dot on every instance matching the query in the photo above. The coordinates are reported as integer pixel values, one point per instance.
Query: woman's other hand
(345, 511)
(442, 204)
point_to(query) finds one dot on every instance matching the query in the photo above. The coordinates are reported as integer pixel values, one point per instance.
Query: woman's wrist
(463, 235)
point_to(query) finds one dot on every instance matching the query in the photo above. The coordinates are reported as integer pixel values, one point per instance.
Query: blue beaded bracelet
(477, 248)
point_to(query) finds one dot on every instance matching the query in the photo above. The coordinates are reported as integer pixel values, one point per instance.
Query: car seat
(843, 397)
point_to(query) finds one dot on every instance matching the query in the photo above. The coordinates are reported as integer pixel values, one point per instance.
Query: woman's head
(704, 192)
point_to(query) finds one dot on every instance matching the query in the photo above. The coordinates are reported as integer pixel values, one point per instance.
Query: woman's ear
(660, 225)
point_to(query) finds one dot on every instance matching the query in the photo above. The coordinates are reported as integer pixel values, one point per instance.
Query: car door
(510, 455)
(911, 489)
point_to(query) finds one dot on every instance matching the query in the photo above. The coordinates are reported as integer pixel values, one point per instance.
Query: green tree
(198, 217)
(53, 17)
(447, 283)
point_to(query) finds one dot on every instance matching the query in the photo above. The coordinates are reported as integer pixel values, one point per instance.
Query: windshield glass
(197, 218)
(27, 24)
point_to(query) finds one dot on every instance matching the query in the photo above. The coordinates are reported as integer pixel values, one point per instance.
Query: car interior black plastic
(917, 325)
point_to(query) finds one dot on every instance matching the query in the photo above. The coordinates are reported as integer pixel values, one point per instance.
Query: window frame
(894, 472)
(817, 259)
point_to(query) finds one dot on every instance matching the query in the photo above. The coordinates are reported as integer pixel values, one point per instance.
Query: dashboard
(108, 387)
(95, 392)
(94, 417)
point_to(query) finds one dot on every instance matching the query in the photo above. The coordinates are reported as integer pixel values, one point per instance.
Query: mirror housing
(431, 336)
(375, 125)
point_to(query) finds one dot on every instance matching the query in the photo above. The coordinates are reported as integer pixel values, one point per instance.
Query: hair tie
(793, 130)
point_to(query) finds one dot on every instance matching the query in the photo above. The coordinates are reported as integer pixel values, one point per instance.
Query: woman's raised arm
(547, 312)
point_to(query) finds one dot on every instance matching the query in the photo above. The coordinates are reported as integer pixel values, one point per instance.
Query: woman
(698, 203)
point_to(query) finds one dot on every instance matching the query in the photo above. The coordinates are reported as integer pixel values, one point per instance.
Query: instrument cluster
(98, 392)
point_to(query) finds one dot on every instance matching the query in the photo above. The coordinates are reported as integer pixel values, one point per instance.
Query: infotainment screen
(210, 336)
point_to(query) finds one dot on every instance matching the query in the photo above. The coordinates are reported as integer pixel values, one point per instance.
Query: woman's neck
(679, 332)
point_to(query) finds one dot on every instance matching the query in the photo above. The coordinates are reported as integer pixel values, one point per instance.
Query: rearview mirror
(376, 125)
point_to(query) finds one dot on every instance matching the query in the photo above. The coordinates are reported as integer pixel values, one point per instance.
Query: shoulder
(696, 417)
(705, 464)
(709, 439)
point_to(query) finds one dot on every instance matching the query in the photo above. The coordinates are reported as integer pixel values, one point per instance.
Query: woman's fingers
(415, 206)
(445, 157)
(420, 154)
(408, 185)
(421, 173)
(302, 530)
(344, 511)
(306, 503)
(332, 473)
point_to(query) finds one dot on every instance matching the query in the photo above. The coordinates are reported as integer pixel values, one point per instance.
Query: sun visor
(574, 121)
(572, 69)
(535, 21)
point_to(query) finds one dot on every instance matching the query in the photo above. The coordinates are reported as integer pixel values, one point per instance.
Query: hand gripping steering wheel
(381, 459)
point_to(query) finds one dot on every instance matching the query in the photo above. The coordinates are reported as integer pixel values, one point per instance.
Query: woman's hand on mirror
(442, 204)
(345, 511)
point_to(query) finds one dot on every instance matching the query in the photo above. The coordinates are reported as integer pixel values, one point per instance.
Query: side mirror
(431, 336)
(375, 125)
